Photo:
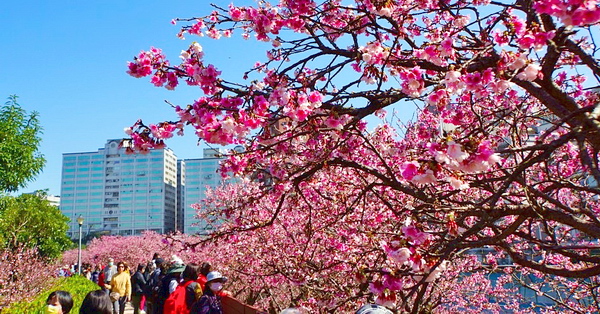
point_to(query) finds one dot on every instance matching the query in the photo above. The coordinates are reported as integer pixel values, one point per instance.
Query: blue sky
(67, 61)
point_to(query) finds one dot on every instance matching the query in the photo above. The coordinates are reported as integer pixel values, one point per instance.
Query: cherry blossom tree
(333, 261)
(23, 274)
(133, 250)
(502, 153)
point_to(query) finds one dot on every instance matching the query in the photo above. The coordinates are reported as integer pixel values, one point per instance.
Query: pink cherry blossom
(409, 170)
(530, 72)
(427, 177)
(487, 149)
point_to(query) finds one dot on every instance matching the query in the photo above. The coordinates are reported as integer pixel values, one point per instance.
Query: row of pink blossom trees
(340, 203)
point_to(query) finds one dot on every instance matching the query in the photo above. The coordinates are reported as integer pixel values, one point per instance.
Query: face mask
(52, 309)
(110, 264)
(216, 286)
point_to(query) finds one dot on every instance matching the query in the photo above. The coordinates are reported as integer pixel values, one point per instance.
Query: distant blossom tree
(131, 249)
(502, 154)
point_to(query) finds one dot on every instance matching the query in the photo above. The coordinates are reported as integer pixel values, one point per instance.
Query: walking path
(128, 308)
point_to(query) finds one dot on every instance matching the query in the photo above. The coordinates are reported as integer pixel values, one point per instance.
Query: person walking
(210, 301)
(150, 267)
(59, 302)
(96, 274)
(203, 271)
(189, 281)
(169, 282)
(184, 296)
(108, 272)
(120, 288)
(138, 286)
(173, 277)
(154, 282)
(96, 302)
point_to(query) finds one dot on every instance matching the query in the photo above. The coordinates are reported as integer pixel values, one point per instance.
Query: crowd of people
(158, 287)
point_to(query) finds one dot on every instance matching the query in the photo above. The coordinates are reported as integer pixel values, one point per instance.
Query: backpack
(175, 303)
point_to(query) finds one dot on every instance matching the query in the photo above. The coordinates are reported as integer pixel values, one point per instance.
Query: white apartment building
(54, 200)
(117, 193)
(195, 176)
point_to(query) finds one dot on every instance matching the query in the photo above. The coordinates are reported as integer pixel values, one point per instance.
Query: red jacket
(101, 279)
(202, 281)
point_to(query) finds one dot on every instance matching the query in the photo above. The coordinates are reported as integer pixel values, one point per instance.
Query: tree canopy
(20, 159)
(502, 153)
(30, 221)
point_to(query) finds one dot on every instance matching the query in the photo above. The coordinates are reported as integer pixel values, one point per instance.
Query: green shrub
(78, 286)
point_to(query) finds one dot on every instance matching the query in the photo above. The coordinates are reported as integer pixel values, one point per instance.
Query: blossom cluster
(571, 12)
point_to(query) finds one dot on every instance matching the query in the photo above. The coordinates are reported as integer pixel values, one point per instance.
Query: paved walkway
(128, 308)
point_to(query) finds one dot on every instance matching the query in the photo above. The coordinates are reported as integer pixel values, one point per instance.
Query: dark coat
(209, 303)
(138, 284)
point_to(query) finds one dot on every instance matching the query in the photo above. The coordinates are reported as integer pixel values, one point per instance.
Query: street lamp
(80, 222)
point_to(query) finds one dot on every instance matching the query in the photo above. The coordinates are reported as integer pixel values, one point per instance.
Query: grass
(78, 286)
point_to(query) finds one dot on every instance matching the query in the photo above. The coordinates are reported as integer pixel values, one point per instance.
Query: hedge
(78, 286)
